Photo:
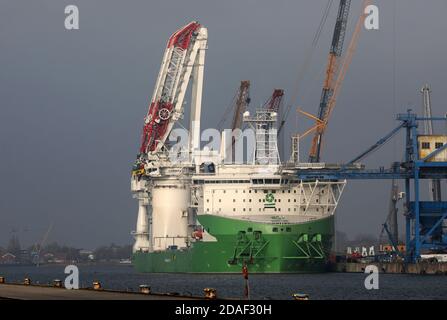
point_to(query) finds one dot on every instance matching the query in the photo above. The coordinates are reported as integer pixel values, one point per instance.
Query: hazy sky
(72, 102)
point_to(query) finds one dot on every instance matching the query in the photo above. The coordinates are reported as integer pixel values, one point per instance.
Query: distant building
(8, 258)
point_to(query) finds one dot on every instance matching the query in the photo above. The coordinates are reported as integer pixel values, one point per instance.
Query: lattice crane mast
(184, 52)
(329, 81)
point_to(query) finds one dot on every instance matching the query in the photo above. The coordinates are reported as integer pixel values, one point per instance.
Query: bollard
(300, 296)
(2, 279)
(27, 281)
(57, 283)
(96, 285)
(210, 293)
(145, 289)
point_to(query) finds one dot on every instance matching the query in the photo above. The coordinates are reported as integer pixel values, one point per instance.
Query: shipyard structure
(202, 211)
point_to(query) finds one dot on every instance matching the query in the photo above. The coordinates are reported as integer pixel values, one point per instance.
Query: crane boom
(331, 70)
(275, 100)
(184, 52)
(242, 101)
(240, 105)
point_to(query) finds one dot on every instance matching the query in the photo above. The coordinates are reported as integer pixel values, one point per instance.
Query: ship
(211, 209)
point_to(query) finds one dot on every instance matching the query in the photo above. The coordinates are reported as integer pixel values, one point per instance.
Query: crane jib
(169, 89)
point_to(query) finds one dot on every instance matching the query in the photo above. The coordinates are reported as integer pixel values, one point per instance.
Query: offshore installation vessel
(200, 210)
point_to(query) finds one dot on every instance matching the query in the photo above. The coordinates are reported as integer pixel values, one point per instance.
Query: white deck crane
(183, 60)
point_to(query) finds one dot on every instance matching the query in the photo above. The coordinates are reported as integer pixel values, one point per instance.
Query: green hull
(265, 248)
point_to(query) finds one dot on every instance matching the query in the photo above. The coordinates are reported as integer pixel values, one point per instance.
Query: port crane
(336, 70)
(335, 53)
(426, 221)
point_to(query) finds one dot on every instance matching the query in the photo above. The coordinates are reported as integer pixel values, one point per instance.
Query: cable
(307, 60)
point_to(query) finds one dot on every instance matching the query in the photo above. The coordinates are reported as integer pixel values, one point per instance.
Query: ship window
(304, 209)
(317, 210)
(288, 200)
(259, 200)
(244, 209)
(234, 209)
(328, 209)
(425, 145)
(275, 229)
(438, 145)
(294, 200)
(283, 191)
(279, 200)
(288, 229)
(208, 209)
(234, 200)
(207, 200)
(279, 209)
(249, 209)
(275, 180)
(224, 191)
(243, 200)
(294, 209)
(249, 200)
(243, 191)
(273, 191)
(288, 191)
(316, 200)
(220, 200)
(266, 191)
(249, 191)
(268, 181)
(259, 209)
(256, 191)
(322, 191)
(288, 209)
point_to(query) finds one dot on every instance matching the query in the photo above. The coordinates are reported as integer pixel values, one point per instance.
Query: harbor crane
(336, 70)
(425, 158)
(335, 53)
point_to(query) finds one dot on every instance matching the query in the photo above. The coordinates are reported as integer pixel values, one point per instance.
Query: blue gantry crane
(425, 158)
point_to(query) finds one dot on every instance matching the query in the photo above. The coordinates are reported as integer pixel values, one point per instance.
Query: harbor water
(268, 286)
